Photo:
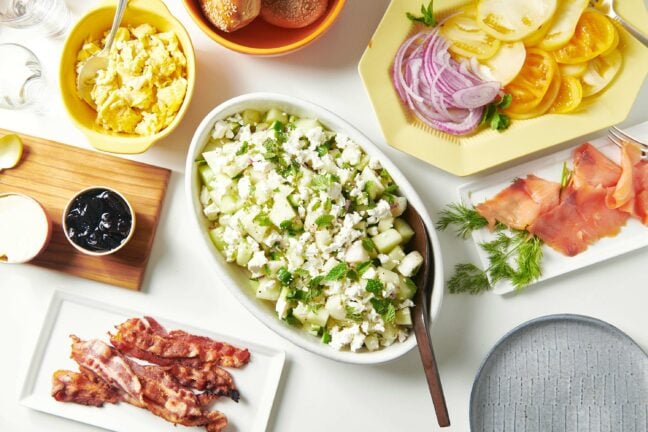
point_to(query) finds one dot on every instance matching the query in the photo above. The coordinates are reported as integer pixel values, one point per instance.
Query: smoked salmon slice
(520, 204)
(593, 168)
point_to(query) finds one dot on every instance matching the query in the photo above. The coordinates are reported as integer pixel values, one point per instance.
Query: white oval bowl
(236, 278)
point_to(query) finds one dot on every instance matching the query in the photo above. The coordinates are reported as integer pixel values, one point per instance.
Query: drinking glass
(50, 17)
(21, 77)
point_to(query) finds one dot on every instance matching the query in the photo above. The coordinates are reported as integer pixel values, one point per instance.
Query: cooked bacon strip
(593, 168)
(147, 340)
(82, 388)
(207, 377)
(581, 219)
(156, 390)
(520, 204)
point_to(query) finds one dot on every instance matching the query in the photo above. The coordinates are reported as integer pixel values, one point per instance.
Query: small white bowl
(90, 252)
(40, 242)
(236, 278)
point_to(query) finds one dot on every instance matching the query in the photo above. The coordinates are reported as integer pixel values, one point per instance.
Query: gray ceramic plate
(562, 373)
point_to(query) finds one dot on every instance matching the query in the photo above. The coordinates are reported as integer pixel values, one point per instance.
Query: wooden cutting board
(53, 173)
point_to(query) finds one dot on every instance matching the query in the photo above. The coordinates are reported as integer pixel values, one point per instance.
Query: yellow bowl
(94, 25)
(262, 39)
(464, 155)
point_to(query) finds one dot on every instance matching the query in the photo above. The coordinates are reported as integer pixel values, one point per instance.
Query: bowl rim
(251, 100)
(66, 209)
(324, 26)
(138, 143)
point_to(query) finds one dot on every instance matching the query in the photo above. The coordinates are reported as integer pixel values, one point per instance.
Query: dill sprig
(516, 257)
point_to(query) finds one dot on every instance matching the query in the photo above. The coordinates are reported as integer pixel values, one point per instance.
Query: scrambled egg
(145, 83)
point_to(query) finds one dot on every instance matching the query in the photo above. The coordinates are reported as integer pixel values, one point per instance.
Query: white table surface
(316, 394)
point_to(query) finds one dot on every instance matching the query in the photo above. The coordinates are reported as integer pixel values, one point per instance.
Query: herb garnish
(243, 149)
(427, 17)
(368, 245)
(284, 276)
(324, 220)
(465, 220)
(291, 228)
(262, 219)
(566, 176)
(385, 308)
(337, 272)
(374, 286)
(494, 117)
(353, 314)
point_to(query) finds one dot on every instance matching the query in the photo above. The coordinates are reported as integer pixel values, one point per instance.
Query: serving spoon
(86, 78)
(424, 283)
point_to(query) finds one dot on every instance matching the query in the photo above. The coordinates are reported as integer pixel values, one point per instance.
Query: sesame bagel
(230, 15)
(292, 13)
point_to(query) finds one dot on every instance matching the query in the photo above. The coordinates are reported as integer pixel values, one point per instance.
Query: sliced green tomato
(600, 73)
(564, 23)
(467, 39)
(513, 20)
(574, 70)
(11, 150)
(505, 65)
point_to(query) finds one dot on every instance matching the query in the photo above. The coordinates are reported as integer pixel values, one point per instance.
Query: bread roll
(230, 15)
(292, 13)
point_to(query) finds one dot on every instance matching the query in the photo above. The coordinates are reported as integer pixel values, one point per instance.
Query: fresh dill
(464, 219)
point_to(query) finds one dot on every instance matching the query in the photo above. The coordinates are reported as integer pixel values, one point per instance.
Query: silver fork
(618, 137)
(607, 8)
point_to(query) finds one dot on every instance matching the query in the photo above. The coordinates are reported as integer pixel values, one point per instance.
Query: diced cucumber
(397, 254)
(410, 264)
(256, 231)
(387, 276)
(236, 166)
(206, 174)
(212, 144)
(404, 229)
(205, 198)
(318, 317)
(250, 116)
(373, 186)
(403, 317)
(307, 124)
(371, 342)
(406, 289)
(388, 240)
(281, 210)
(300, 312)
(281, 307)
(211, 211)
(294, 200)
(216, 236)
(356, 253)
(274, 266)
(228, 204)
(335, 306)
(268, 289)
(399, 206)
(364, 161)
(389, 335)
(262, 126)
(243, 254)
(275, 115)
(385, 224)
(322, 238)
(314, 329)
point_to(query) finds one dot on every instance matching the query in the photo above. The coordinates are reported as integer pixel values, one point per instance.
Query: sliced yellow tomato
(575, 70)
(547, 101)
(594, 35)
(468, 39)
(532, 82)
(600, 72)
(563, 24)
(615, 42)
(537, 36)
(569, 96)
(505, 65)
(513, 20)
(469, 10)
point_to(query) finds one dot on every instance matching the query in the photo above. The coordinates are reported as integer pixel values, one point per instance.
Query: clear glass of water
(21, 77)
(49, 17)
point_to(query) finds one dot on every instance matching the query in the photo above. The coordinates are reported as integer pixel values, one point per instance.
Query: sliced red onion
(444, 94)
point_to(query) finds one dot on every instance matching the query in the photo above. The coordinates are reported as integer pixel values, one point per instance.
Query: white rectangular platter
(632, 236)
(69, 314)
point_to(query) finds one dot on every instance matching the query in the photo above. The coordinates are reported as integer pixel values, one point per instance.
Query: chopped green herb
(374, 286)
(324, 220)
(291, 228)
(353, 275)
(323, 149)
(243, 149)
(368, 245)
(494, 117)
(284, 276)
(326, 336)
(385, 308)
(277, 126)
(291, 319)
(427, 15)
(262, 219)
(505, 101)
(337, 272)
(353, 314)
(363, 267)
(328, 204)
(316, 205)
(315, 282)
(272, 149)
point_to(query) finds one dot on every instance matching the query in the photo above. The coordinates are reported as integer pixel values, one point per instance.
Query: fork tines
(618, 137)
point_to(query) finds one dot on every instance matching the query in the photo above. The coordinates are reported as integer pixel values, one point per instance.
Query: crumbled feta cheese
(380, 212)
(256, 264)
(244, 187)
(220, 129)
(374, 164)
(352, 154)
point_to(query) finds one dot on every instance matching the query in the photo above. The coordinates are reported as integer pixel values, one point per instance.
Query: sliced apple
(11, 149)
(25, 228)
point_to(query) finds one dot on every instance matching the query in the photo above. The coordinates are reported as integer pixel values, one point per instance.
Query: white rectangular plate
(632, 236)
(69, 314)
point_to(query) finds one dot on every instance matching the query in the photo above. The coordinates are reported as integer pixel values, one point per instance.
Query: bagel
(230, 15)
(292, 13)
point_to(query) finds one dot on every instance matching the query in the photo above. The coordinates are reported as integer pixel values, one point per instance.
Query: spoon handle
(421, 330)
(119, 14)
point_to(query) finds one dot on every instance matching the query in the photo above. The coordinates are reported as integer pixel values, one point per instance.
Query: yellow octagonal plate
(464, 155)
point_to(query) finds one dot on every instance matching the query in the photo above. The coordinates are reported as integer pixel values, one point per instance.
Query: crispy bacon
(520, 204)
(581, 219)
(207, 377)
(83, 388)
(147, 340)
(593, 168)
(149, 387)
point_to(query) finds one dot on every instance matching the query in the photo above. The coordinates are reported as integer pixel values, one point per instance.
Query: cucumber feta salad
(316, 222)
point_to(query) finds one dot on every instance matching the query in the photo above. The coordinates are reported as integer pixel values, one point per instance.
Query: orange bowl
(262, 39)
